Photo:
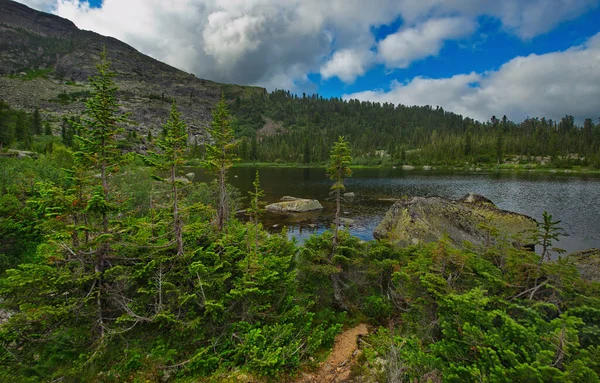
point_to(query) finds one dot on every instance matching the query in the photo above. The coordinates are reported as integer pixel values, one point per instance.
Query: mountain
(45, 62)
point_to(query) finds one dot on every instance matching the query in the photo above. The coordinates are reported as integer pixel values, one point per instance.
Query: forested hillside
(303, 128)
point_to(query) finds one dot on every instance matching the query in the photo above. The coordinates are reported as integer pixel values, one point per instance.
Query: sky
(478, 58)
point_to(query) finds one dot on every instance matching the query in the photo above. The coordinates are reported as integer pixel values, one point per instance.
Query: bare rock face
(422, 220)
(294, 205)
(63, 56)
(587, 263)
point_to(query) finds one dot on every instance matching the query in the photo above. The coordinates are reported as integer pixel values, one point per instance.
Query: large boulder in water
(421, 220)
(588, 264)
(294, 205)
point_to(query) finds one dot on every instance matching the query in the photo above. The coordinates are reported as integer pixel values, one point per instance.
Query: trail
(336, 369)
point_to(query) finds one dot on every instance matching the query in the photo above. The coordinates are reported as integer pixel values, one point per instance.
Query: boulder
(183, 180)
(190, 176)
(349, 196)
(408, 167)
(587, 262)
(296, 205)
(289, 198)
(422, 220)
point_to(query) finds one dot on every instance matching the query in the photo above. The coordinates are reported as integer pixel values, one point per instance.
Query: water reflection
(573, 199)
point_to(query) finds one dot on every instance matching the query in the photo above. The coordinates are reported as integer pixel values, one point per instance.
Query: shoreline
(427, 168)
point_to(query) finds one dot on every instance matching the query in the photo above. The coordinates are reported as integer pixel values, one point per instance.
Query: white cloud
(550, 85)
(400, 49)
(525, 18)
(278, 42)
(228, 38)
(347, 64)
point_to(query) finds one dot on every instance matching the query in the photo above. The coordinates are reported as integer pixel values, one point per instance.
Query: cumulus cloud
(347, 64)
(276, 43)
(398, 50)
(525, 18)
(550, 85)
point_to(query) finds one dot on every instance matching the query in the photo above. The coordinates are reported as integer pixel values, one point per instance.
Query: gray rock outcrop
(422, 220)
(294, 205)
(587, 263)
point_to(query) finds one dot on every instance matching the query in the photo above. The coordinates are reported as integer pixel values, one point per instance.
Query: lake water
(571, 198)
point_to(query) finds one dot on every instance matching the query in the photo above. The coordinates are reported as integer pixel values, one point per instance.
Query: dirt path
(336, 368)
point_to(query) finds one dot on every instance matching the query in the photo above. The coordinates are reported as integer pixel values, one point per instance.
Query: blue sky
(487, 49)
(475, 57)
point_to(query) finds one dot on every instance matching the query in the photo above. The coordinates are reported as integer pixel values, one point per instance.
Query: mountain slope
(45, 62)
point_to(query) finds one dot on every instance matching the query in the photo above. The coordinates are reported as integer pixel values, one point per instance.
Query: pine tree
(47, 129)
(548, 232)
(220, 155)
(255, 210)
(469, 140)
(307, 150)
(22, 131)
(173, 146)
(98, 129)
(36, 122)
(254, 149)
(7, 129)
(338, 170)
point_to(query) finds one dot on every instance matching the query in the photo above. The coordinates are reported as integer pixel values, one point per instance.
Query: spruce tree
(98, 129)
(36, 122)
(22, 131)
(7, 129)
(255, 210)
(338, 170)
(220, 156)
(173, 145)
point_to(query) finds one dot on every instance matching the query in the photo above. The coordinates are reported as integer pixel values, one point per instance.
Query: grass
(31, 74)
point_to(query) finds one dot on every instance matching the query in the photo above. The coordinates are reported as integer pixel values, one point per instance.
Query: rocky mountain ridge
(46, 60)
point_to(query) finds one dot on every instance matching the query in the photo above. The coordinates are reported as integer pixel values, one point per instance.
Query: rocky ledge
(422, 220)
(587, 263)
(294, 205)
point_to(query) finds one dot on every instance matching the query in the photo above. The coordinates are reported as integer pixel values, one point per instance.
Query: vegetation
(339, 168)
(395, 135)
(111, 271)
(220, 155)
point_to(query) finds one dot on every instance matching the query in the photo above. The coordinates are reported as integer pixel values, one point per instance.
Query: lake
(574, 199)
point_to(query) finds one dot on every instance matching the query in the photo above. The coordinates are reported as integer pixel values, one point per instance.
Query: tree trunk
(222, 208)
(338, 295)
(337, 220)
(101, 255)
(177, 229)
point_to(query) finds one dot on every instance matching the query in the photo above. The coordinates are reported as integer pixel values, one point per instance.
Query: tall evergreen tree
(469, 140)
(173, 146)
(338, 170)
(255, 210)
(98, 129)
(36, 122)
(220, 155)
(254, 149)
(307, 150)
(7, 129)
(22, 131)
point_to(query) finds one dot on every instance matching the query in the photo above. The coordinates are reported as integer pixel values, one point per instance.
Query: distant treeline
(287, 128)
(384, 133)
